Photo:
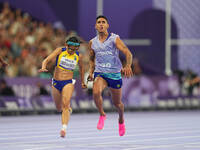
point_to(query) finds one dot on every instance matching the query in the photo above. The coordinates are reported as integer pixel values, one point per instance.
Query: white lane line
(163, 146)
(135, 141)
(126, 146)
(104, 137)
(106, 143)
(92, 128)
(73, 131)
(192, 146)
(46, 147)
(93, 131)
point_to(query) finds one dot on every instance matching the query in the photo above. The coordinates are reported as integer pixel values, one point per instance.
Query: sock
(64, 127)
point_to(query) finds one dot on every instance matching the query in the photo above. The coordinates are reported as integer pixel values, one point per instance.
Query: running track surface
(176, 130)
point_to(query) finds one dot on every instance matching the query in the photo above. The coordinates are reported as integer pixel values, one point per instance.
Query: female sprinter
(62, 83)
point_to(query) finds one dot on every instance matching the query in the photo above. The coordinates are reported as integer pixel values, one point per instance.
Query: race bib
(67, 63)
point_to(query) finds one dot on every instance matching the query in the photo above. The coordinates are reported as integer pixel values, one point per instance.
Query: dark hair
(73, 39)
(101, 16)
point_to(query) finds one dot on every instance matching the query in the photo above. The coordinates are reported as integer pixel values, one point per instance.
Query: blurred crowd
(26, 41)
(189, 82)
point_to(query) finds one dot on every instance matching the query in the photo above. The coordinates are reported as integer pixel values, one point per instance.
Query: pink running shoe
(122, 129)
(62, 133)
(100, 124)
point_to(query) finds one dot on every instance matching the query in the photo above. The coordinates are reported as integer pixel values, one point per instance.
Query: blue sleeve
(77, 53)
(63, 49)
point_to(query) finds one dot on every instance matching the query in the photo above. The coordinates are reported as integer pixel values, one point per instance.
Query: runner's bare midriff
(60, 74)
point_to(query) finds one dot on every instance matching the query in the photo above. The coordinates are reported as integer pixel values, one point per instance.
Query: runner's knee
(65, 103)
(118, 104)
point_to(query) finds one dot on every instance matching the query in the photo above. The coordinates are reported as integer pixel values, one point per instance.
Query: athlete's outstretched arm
(49, 58)
(122, 47)
(91, 62)
(82, 71)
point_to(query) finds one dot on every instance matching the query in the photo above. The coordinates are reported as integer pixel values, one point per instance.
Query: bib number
(105, 65)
